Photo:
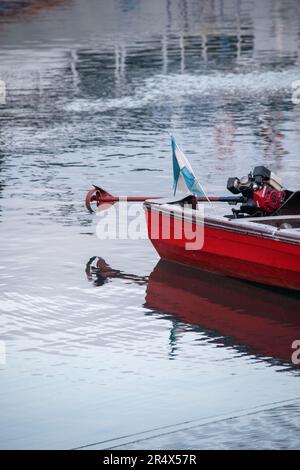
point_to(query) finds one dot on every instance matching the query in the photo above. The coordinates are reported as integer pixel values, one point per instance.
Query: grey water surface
(99, 345)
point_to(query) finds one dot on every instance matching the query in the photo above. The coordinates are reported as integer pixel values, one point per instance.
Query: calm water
(103, 345)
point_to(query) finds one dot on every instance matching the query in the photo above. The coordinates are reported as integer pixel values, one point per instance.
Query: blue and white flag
(184, 176)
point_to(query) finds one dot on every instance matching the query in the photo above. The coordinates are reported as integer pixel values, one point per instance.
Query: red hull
(255, 258)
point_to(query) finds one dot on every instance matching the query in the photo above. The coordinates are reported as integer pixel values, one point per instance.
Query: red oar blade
(96, 199)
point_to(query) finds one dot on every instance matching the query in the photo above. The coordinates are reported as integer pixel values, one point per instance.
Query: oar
(99, 197)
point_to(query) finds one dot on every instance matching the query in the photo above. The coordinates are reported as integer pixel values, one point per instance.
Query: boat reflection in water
(264, 320)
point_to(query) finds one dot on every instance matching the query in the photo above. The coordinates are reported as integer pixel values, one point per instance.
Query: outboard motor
(262, 191)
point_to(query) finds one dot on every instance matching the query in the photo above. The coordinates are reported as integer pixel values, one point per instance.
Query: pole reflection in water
(255, 319)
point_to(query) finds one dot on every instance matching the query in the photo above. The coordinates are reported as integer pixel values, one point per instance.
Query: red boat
(259, 242)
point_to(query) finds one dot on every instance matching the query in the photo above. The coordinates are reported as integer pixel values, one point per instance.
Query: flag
(183, 174)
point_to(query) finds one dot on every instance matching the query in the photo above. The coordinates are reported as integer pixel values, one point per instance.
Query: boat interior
(280, 222)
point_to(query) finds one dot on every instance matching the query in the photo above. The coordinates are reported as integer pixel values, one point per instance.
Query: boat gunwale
(247, 226)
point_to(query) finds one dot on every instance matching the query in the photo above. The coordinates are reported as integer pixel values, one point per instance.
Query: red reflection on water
(264, 319)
